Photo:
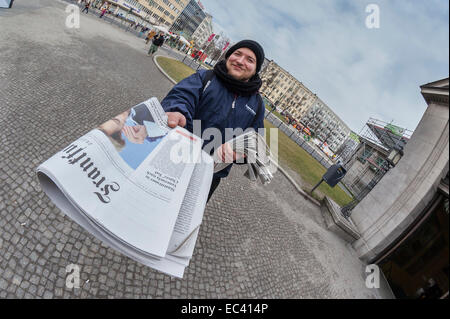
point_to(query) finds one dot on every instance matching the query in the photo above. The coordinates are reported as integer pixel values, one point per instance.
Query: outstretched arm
(183, 98)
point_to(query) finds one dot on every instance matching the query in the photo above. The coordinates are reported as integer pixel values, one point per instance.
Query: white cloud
(358, 72)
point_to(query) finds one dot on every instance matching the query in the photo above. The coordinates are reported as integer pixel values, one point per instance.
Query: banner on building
(211, 37)
(354, 136)
(395, 129)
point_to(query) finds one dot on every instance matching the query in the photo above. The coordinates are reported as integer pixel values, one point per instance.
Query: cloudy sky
(358, 72)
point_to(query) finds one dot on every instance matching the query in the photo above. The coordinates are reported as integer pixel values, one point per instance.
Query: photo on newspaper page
(134, 133)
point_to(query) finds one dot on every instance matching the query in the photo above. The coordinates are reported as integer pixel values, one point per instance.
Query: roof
(436, 92)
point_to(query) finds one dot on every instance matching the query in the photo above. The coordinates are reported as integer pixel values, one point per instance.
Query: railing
(297, 137)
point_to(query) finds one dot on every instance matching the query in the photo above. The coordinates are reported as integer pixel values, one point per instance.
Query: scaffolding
(383, 137)
(384, 134)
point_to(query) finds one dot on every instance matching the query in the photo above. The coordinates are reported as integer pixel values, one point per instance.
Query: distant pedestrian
(86, 7)
(130, 26)
(141, 33)
(104, 9)
(156, 43)
(150, 36)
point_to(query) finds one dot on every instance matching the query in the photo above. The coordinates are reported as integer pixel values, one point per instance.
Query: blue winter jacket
(216, 107)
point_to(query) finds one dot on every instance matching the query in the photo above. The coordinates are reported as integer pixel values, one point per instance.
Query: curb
(301, 191)
(161, 70)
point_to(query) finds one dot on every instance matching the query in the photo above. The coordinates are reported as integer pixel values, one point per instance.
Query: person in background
(103, 10)
(86, 7)
(150, 36)
(156, 43)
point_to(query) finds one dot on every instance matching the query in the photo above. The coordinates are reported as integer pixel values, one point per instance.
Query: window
(380, 161)
(366, 153)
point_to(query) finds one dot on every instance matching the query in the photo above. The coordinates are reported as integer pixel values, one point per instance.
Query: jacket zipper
(233, 104)
(231, 111)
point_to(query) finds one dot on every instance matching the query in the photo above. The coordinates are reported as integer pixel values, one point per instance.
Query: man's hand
(175, 119)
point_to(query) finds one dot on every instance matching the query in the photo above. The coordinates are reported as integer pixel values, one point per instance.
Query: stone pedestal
(336, 223)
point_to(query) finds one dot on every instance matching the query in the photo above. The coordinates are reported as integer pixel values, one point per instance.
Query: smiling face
(241, 64)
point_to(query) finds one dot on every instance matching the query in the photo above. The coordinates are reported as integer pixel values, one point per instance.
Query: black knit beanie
(252, 45)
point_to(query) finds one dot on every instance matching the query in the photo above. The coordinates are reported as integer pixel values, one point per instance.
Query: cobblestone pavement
(55, 85)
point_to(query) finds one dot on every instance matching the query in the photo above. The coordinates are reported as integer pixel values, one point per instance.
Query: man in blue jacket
(226, 98)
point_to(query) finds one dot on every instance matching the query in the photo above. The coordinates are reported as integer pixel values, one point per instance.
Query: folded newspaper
(255, 153)
(139, 186)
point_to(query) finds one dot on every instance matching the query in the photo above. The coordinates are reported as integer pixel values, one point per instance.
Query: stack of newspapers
(141, 187)
(254, 152)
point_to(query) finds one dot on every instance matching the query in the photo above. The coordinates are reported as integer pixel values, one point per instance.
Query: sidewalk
(57, 84)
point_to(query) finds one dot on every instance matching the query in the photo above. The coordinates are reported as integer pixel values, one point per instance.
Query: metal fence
(295, 136)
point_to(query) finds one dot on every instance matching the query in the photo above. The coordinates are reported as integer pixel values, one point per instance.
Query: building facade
(264, 65)
(156, 12)
(348, 148)
(367, 165)
(324, 124)
(293, 98)
(204, 30)
(285, 91)
(188, 20)
(164, 12)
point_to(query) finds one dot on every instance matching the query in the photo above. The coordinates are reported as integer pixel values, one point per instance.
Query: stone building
(348, 148)
(293, 98)
(368, 164)
(164, 12)
(204, 30)
(188, 20)
(403, 222)
(156, 12)
(325, 124)
(285, 91)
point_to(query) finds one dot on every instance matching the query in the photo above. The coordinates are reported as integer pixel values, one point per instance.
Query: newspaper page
(184, 237)
(127, 178)
(192, 208)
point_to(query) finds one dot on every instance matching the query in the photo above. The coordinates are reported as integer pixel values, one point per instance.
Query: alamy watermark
(373, 277)
(73, 277)
(73, 17)
(373, 19)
